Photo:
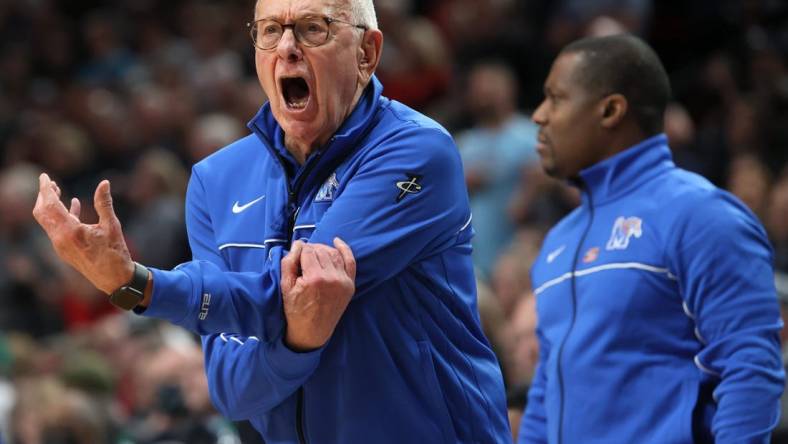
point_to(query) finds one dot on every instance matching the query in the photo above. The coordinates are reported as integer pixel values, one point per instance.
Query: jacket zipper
(293, 208)
(300, 416)
(574, 310)
(292, 194)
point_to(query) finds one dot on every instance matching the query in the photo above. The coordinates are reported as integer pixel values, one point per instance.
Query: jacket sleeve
(723, 263)
(405, 201)
(248, 373)
(533, 427)
(203, 296)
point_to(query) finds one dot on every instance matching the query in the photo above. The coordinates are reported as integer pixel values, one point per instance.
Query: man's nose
(539, 116)
(288, 48)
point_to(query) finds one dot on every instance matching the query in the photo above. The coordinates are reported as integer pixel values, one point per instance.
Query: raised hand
(97, 251)
(317, 284)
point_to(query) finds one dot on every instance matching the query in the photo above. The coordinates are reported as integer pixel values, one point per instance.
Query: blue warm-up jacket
(408, 362)
(658, 318)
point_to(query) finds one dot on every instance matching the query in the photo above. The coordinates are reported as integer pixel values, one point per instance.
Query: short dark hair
(626, 65)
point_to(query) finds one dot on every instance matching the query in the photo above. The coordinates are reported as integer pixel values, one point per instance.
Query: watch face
(131, 294)
(126, 298)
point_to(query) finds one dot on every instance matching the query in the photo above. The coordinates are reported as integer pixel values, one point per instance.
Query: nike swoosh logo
(555, 253)
(239, 208)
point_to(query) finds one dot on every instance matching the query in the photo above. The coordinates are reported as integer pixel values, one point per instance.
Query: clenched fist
(317, 284)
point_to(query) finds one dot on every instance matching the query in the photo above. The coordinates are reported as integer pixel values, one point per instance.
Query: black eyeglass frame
(328, 20)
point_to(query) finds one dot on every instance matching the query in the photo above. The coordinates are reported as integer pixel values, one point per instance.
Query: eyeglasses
(309, 31)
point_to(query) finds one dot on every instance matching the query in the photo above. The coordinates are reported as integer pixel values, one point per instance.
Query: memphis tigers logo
(329, 188)
(624, 229)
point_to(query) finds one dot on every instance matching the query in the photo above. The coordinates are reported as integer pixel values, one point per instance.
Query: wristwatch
(130, 295)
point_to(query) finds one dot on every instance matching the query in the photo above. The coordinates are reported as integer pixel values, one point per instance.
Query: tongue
(296, 92)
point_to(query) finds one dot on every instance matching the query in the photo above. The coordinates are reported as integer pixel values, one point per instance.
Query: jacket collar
(618, 175)
(324, 160)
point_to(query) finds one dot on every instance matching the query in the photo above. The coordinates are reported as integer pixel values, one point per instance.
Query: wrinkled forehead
(288, 9)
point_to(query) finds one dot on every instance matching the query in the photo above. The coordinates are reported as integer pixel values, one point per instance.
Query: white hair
(362, 12)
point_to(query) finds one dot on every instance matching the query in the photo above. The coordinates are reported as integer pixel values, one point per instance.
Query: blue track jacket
(658, 318)
(408, 362)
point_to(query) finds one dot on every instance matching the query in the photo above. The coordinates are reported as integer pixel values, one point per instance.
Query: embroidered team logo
(624, 229)
(328, 189)
(591, 255)
(409, 186)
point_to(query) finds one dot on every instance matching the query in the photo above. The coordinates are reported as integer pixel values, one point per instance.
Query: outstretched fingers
(49, 211)
(76, 207)
(102, 201)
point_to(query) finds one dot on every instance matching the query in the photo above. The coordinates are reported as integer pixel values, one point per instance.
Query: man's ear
(369, 54)
(612, 110)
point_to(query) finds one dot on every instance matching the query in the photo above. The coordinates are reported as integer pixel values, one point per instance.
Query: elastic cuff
(172, 296)
(288, 364)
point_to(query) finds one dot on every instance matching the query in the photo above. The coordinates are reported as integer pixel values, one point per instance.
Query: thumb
(347, 256)
(290, 265)
(102, 201)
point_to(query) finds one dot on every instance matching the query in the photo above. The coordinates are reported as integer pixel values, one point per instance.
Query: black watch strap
(131, 294)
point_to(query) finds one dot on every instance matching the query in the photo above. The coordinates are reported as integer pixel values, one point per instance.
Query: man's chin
(550, 170)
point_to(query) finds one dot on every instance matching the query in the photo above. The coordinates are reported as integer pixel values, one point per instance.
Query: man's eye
(271, 29)
(314, 28)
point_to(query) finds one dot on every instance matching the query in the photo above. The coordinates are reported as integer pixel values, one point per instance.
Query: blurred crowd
(137, 91)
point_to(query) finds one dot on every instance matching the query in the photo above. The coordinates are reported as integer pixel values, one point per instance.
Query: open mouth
(295, 91)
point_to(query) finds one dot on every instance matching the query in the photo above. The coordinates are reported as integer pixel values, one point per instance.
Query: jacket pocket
(436, 403)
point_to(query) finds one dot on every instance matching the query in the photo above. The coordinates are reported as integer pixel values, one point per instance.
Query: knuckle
(312, 281)
(59, 241)
(323, 280)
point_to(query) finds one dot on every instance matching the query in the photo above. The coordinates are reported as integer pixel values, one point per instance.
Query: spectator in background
(68, 151)
(681, 132)
(540, 200)
(155, 190)
(211, 132)
(749, 180)
(7, 387)
(510, 277)
(214, 69)
(157, 114)
(49, 412)
(576, 18)
(110, 62)
(523, 357)
(27, 288)
(781, 280)
(177, 407)
(494, 153)
(415, 66)
(509, 318)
